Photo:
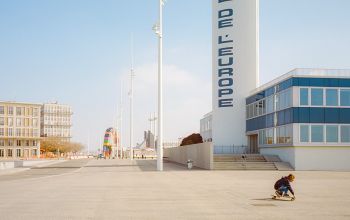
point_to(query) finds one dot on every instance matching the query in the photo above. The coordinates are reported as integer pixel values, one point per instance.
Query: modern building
(206, 127)
(304, 118)
(56, 121)
(19, 130)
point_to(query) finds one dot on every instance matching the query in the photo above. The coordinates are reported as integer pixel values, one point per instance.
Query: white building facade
(56, 121)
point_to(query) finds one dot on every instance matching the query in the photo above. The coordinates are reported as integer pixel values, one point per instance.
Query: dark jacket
(283, 182)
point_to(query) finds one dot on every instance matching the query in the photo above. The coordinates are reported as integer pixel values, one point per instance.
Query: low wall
(200, 154)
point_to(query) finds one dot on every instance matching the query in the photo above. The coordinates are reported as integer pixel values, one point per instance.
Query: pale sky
(78, 53)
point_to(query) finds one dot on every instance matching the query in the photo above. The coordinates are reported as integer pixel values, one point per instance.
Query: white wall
(239, 77)
(322, 158)
(285, 154)
(200, 154)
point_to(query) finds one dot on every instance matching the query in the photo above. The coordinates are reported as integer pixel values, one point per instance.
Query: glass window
(2, 153)
(269, 104)
(10, 132)
(2, 121)
(281, 134)
(34, 152)
(19, 143)
(10, 143)
(2, 143)
(2, 110)
(18, 111)
(262, 137)
(2, 133)
(331, 97)
(269, 136)
(18, 122)
(332, 133)
(10, 110)
(345, 97)
(9, 152)
(316, 97)
(345, 133)
(18, 152)
(316, 133)
(289, 134)
(304, 133)
(304, 96)
(10, 122)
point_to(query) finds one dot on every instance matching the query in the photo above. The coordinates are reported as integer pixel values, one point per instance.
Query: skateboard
(283, 198)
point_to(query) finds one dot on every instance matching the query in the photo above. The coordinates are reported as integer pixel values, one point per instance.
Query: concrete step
(239, 158)
(244, 166)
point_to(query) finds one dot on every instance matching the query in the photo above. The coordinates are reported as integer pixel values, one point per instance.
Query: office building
(19, 130)
(56, 121)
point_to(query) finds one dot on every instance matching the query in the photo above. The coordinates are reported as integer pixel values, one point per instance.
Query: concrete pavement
(111, 189)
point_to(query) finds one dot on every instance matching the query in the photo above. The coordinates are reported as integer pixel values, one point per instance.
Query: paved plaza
(112, 189)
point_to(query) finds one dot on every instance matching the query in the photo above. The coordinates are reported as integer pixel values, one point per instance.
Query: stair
(248, 162)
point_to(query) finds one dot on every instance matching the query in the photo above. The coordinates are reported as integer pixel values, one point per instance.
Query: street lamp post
(159, 31)
(131, 102)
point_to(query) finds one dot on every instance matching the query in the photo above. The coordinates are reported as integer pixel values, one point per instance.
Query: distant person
(282, 186)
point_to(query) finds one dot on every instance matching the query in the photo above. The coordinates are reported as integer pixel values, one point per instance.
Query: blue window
(345, 97)
(304, 96)
(316, 97)
(304, 133)
(332, 133)
(345, 133)
(331, 97)
(316, 133)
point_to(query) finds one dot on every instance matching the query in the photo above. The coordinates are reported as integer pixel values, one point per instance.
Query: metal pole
(121, 121)
(131, 102)
(160, 92)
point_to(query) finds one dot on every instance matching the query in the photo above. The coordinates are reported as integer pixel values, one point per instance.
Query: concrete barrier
(200, 154)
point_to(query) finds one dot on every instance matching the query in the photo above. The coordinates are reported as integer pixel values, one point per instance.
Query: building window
(316, 97)
(2, 131)
(316, 133)
(34, 152)
(345, 97)
(35, 143)
(27, 143)
(10, 143)
(18, 111)
(262, 137)
(10, 110)
(269, 105)
(269, 136)
(304, 133)
(2, 121)
(332, 133)
(10, 122)
(2, 110)
(18, 122)
(2, 153)
(2, 143)
(18, 143)
(345, 133)
(35, 112)
(35, 122)
(18, 152)
(331, 97)
(18, 132)
(304, 96)
(10, 132)
(9, 152)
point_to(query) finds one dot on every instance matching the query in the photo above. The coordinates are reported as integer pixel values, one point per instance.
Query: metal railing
(232, 149)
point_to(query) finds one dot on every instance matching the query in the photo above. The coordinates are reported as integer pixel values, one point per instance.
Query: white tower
(235, 67)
